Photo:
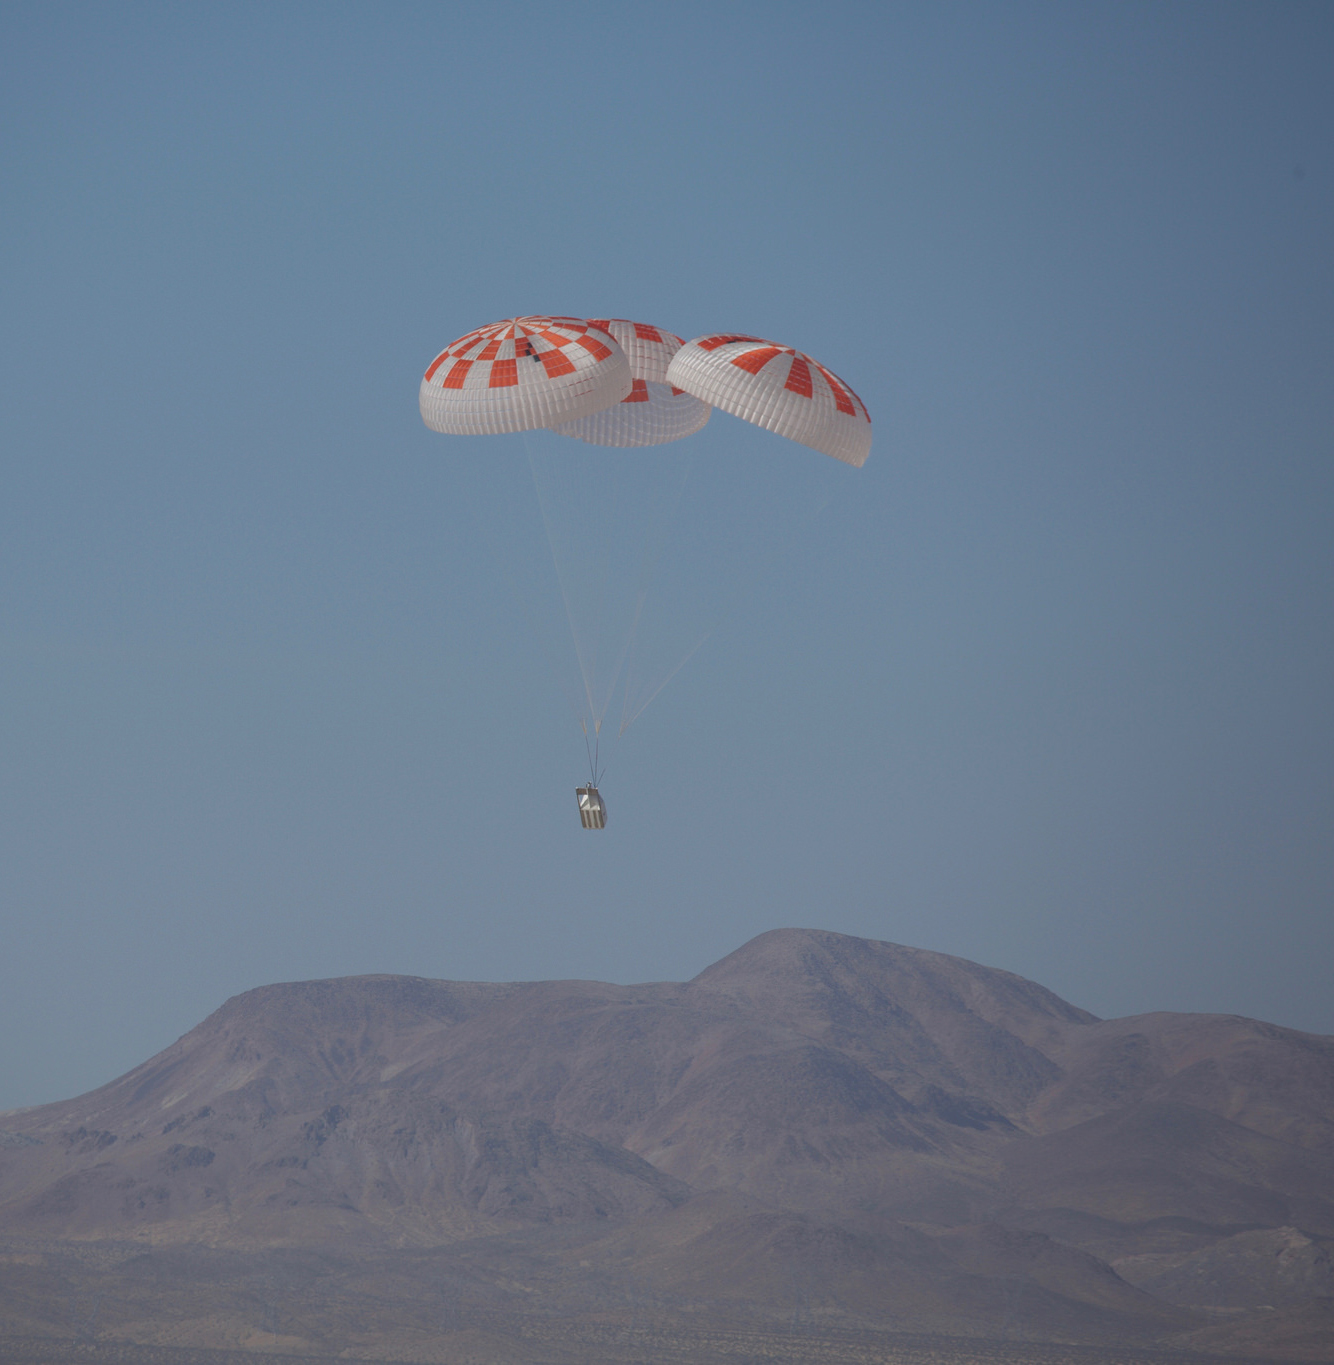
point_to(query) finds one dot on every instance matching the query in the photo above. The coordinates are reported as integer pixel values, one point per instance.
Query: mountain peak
(821, 969)
(810, 1090)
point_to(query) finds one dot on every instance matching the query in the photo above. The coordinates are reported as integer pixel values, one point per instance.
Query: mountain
(819, 1130)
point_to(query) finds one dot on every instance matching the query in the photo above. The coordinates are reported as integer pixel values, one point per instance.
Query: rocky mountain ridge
(912, 1139)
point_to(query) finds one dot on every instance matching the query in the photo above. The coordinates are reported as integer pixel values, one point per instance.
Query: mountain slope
(917, 1135)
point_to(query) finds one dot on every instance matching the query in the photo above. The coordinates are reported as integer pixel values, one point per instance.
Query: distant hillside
(818, 1130)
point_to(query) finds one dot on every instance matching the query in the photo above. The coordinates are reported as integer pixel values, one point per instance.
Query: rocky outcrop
(917, 1139)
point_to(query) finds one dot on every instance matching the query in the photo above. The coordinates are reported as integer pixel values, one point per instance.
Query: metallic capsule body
(592, 813)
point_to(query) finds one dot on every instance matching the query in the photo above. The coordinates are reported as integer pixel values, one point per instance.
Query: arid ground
(820, 1149)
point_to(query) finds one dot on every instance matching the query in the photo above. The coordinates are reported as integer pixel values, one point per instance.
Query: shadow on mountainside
(817, 1134)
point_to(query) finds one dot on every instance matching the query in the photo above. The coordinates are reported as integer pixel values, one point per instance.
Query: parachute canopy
(777, 388)
(650, 349)
(653, 412)
(607, 522)
(521, 374)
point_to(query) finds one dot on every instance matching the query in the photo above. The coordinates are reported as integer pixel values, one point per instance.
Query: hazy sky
(1049, 684)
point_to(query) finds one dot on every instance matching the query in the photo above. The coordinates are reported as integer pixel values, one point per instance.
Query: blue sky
(1047, 684)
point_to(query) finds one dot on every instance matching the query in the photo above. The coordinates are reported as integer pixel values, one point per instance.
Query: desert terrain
(822, 1148)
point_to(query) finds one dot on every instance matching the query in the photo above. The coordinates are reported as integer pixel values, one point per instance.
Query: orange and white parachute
(653, 412)
(614, 382)
(521, 374)
(777, 388)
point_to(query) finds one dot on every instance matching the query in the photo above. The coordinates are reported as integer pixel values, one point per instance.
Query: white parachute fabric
(521, 374)
(651, 415)
(646, 556)
(650, 349)
(777, 388)
(653, 412)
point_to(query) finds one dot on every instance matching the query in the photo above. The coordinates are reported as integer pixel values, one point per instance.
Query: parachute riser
(595, 772)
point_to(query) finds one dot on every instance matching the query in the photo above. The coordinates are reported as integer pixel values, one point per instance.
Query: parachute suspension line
(560, 578)
(598, 697)
(741, 596)
(523, 606)
(686, 658)
(595, 773)
(653, 553)
(598, 700)
(719, 621)
(626, 660)
(587, 668)
(604, 583)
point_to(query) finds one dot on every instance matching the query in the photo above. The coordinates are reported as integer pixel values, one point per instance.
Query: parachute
(613, 382)
(653, 413)
(777, 388)
(521, 374)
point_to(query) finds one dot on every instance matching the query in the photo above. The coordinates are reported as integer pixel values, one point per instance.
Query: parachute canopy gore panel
(778, 388)
(653, 412)
(521, 374)
(592, 812)
(650, 349)
(651, 415)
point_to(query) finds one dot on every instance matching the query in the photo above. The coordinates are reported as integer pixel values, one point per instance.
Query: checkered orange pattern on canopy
(798, 379)
(649, 348)
(490, 356)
